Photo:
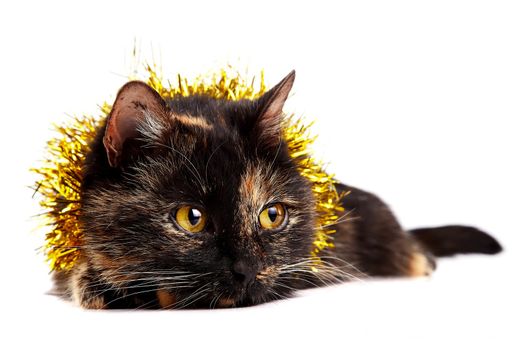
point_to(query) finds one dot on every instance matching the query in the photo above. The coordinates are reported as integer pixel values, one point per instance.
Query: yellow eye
(272, 217)
(190, 219)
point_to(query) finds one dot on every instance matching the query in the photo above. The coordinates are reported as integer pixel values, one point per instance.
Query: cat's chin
(243, 297)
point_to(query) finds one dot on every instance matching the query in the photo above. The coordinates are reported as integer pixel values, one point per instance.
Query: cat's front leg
(85, 289)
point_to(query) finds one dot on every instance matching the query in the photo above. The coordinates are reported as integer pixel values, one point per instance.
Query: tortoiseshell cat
(195, 202)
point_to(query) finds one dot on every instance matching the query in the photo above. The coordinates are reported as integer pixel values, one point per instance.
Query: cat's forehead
(204, 111)
(207, 135)
(211, 146)
(196, 121)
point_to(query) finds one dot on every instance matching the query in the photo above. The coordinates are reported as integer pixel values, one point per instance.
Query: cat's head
(197, 199)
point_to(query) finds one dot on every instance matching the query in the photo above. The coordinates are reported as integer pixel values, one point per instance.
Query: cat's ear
(135, 101)
(270, 115)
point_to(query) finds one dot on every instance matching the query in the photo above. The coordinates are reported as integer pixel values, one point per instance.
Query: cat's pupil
(272, 213)
(194, 216)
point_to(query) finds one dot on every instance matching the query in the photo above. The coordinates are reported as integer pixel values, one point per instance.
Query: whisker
(202, 291)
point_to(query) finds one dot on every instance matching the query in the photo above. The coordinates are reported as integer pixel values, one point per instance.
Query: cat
(195, 202)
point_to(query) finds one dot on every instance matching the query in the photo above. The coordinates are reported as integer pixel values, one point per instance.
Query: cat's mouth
(224, 292)
(230, 294)
(254, 293)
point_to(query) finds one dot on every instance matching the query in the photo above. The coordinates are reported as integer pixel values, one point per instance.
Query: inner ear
(270, 112)
(134, 101)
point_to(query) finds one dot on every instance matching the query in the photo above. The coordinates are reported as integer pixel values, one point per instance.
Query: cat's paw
(92, 303)
(421, 265)
(81, 287)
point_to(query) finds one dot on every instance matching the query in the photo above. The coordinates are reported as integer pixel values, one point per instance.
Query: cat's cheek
(285, 236)
(176, 245)
(181, 237)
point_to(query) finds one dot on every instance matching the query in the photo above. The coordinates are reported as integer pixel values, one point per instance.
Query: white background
(420, 102)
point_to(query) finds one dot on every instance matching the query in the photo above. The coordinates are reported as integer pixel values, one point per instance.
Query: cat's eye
(273, 217)
(190, 218)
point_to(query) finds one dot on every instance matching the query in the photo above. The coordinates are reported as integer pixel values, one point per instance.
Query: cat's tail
(450, 240)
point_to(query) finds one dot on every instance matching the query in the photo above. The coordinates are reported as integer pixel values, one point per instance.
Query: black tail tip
(489, 245)
(450, 240)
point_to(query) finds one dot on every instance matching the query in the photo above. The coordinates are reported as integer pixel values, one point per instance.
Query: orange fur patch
(193, 121)
(225, 302)
(267, 272)
(166, 299)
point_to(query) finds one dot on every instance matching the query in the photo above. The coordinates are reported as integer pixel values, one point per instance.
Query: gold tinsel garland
(60, 176)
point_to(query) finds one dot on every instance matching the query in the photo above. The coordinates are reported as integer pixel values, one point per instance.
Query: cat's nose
(245, 272)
